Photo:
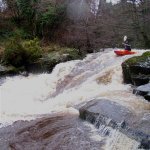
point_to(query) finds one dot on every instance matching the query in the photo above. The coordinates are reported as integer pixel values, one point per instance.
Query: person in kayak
(126, 44)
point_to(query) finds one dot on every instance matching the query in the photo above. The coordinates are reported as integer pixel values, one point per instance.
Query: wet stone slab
(60, 131)
(105, 112)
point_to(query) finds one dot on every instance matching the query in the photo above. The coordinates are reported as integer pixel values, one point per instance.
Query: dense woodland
(86, 25)
(81, 23)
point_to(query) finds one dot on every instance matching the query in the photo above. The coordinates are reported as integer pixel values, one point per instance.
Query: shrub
(14, 53)
(13, 33)
(21, 33)
(33, 49)
(18, 53)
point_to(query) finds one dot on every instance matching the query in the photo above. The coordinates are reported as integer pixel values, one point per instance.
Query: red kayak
(124, 52)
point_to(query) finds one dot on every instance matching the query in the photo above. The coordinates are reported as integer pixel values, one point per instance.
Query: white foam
(24, 97)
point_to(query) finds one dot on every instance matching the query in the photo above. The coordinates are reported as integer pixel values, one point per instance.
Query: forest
(85, 25)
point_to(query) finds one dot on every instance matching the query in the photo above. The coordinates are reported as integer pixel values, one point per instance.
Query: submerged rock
(105, 112)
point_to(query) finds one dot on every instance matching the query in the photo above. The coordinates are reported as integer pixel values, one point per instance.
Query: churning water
(70, 84)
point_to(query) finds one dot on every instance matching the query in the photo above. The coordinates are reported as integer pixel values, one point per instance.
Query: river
(61, 93)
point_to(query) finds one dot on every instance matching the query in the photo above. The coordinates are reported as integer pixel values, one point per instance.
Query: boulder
(136, 70)
(103, 112)
(143, 90)
(106, 111)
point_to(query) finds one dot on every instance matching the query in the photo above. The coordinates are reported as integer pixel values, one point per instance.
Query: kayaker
(126, 43)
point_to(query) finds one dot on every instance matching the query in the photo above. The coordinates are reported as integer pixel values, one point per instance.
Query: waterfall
(72, 84)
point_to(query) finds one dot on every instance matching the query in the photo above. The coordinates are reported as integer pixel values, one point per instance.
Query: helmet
(125, 38)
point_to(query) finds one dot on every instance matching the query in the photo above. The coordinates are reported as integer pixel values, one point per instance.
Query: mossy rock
(137, 67)
(62, 55)
(72, 53)
(138, 59)
(51, 58)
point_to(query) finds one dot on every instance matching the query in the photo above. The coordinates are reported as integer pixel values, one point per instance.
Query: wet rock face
(147, 96)
(51, 59)
(143, 90)
(136, 71)
(145, 144)
(51, 132)
(105, 112)
(131, 77)
(140, 79)
(9, 70)
(45, 64)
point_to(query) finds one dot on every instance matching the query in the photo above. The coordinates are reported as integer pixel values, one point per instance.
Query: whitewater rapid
(70, 83)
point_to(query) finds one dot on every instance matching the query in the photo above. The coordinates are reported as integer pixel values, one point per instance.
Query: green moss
(138, 59)
(146, 54)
